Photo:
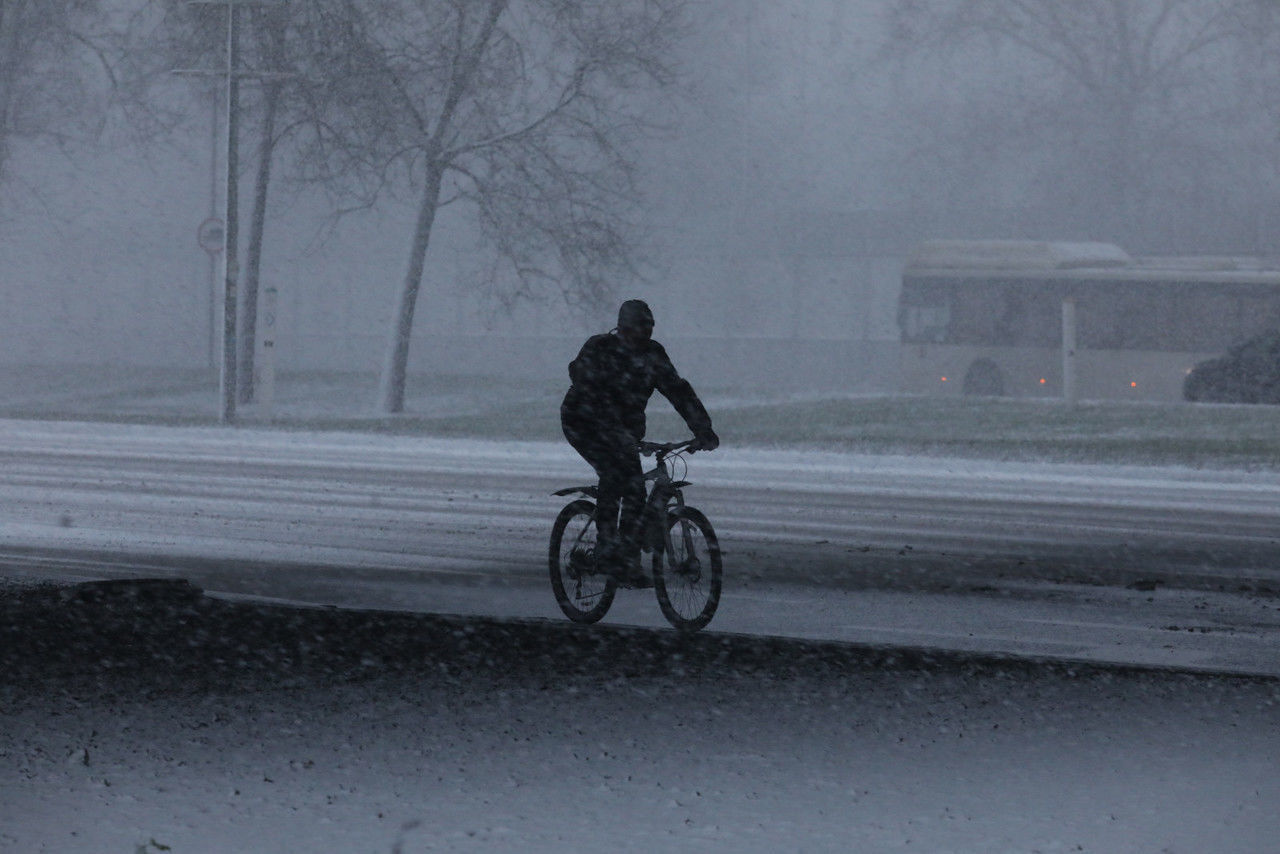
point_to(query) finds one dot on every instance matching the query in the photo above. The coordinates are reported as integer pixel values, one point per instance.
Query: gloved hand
(705, 441)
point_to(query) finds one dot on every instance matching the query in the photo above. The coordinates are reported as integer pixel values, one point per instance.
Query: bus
(1022, 318)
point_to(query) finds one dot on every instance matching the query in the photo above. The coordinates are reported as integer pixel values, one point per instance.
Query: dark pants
(612, 453)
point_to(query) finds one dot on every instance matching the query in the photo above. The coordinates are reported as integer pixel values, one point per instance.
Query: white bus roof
(1016, 255)
(1206, 263)
(1052, 260)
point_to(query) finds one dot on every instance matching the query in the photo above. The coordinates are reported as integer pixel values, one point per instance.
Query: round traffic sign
(210, 235)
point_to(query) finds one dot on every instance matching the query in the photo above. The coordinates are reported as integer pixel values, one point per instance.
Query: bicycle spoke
(689, 587)
(582, 595)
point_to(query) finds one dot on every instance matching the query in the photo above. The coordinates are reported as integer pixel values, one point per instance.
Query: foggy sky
(790, 121)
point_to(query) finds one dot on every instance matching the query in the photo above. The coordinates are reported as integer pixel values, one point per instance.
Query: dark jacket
(611, 386)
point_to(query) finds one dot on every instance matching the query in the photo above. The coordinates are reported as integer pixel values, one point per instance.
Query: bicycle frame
(665, 492)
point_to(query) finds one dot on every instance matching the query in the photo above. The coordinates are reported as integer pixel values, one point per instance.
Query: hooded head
(634, 316)
(635, 323)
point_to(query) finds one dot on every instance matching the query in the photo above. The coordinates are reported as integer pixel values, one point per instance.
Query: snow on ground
(128, 724)
(402, 522)
(757, 467)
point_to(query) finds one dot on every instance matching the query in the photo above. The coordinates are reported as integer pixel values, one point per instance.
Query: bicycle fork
(657, 533)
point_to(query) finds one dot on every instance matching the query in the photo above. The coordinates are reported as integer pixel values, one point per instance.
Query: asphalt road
(1152, 566)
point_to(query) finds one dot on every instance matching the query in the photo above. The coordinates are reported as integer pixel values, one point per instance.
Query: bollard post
(265, 365)
(1069, 349)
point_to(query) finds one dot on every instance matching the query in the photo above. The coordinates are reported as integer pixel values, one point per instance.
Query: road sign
(210, 235)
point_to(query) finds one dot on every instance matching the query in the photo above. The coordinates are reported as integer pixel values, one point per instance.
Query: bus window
(925, 324)
(1011, 319)
(1041, 321)
(1203, 322)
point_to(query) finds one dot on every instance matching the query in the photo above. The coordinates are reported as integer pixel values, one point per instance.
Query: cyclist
(602, 416)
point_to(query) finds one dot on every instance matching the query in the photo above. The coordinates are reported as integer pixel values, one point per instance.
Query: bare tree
(1119, 88)
(54, 71)
(522, 110)
(271, 26)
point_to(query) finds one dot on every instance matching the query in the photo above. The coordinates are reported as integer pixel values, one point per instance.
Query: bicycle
(687, 570)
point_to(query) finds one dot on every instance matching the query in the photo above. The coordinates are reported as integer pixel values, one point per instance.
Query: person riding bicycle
(602, 416)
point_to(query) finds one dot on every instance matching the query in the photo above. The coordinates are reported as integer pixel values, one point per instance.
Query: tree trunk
(249, 298)
(11, 71)
(391, 385)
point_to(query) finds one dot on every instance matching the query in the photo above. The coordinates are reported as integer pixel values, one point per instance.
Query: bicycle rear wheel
(582, 594)
(687, 573)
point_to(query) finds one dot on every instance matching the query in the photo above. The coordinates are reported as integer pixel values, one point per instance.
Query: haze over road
(1135, 564)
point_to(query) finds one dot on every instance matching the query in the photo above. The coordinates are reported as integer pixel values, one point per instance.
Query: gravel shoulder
(139, 717)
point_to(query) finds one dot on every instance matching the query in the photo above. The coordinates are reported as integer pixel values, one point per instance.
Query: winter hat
(635, 314)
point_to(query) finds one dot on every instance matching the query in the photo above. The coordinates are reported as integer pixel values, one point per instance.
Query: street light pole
(231, 223)
(213, 214)
(230, 258)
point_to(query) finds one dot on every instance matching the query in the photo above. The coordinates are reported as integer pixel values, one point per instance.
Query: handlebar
(661, 449)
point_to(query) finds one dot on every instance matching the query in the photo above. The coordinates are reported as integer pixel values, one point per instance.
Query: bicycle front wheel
(687, 573)
(582, 594)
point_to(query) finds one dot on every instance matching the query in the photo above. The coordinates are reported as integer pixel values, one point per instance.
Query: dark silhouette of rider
(602, 415)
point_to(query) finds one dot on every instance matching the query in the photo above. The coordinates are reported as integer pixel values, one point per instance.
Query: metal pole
(213, 311)
(213, 212)
(1069, 349)
(230, 258)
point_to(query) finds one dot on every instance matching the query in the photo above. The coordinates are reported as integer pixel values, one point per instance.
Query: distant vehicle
(1248, 373)
(987, 317)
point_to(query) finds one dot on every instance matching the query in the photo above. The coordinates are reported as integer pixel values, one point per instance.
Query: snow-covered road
(1146, 565)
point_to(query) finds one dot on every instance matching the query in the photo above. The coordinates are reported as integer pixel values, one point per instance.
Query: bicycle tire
(688, 585)
(582, 595)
